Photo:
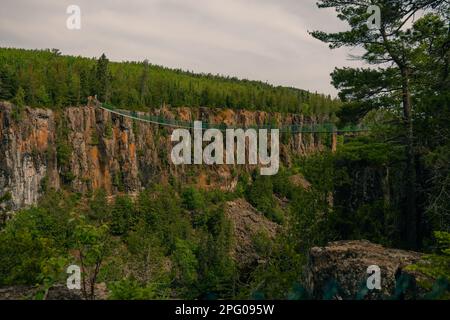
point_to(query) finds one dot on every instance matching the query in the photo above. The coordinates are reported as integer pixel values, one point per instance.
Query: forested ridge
(47, 78)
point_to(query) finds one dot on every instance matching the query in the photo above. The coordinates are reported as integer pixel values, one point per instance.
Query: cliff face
(24, 161)
(86, 148)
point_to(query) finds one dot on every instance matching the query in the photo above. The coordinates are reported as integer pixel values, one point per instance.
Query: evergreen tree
(102, 78)
(85, 89)
(19, 99)
(8, 84)
(392, 46)
(128, 85)
(144, 82)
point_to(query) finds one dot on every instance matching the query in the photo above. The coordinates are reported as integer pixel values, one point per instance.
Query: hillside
(46, 78)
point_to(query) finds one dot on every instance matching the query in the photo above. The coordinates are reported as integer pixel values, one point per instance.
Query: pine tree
(8, 84)
(19, 99)
(391, 46)
(85, 90)
(102, 80)
(143, 85)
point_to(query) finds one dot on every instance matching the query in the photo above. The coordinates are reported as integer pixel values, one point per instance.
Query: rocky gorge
(87, 148)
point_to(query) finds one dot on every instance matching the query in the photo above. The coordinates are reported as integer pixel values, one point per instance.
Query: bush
(122, 216)
(130, 289)
(192, 199)
(32, 238)
(437, 266)
(185, 263)
(260, 195)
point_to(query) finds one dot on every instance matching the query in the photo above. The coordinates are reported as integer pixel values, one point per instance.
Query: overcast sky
(264, 40)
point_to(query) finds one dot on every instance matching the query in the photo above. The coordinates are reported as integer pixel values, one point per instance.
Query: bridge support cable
(329, 128)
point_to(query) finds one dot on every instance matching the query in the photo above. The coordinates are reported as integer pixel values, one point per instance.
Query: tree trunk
(411, 222)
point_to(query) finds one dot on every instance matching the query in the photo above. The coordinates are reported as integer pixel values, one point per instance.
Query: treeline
(48, 79)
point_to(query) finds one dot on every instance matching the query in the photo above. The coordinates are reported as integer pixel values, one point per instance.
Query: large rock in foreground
(339, 270)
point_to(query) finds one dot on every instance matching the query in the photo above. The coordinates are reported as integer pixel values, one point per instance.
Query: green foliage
(192, 199)
(102, 79)
(52, 80)
(109, 131)
(99, 209)
(438, 208)
(34, 237)
(154, 253)
(22, 256)
(19, 99)
(4, 208)
(146, 258)
(8, 82)
(282, 185)
(94, 138)
(262, 243)
(309, 217)
(436, 266)
(408, 86)
(93, 245)
(349, 193)
(63, 150)
(6, 197)
(260, 195)
(118, 182)
(186, 263)
(217, 270)
(52, 271)
(370, 151)
(122, 215)
(129, 289)
(160, 207)
(282, 271)
(19, 104)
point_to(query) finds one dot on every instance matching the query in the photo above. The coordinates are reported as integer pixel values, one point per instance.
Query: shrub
(122, 215)
(130, 289)
(437, 266)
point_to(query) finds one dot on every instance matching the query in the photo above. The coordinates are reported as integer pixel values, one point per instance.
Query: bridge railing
(291, 128)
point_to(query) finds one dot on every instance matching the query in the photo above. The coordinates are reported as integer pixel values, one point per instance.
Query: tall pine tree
(102, 78)
(392, 47)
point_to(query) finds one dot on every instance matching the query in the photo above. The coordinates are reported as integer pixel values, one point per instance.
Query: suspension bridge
(292, 128)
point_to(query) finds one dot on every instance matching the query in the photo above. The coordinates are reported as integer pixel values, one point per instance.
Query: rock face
(86, 148)
(339, 270)
(247, 224)
(24, 162)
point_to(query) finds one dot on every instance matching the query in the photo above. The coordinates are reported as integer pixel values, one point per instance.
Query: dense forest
(174, 241)
(390, 186)
(48, 79)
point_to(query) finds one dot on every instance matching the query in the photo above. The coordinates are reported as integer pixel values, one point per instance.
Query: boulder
(247, 222)
(340, 271)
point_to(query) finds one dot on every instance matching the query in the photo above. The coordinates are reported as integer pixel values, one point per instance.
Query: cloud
(264, 40)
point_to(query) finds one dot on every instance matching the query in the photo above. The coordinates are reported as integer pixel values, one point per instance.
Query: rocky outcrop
(248, 224)
(339, 270)
(87, 148)
(55, 292)
(24, 161)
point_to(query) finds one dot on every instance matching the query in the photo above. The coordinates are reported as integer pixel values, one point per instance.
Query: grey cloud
(264, 40)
